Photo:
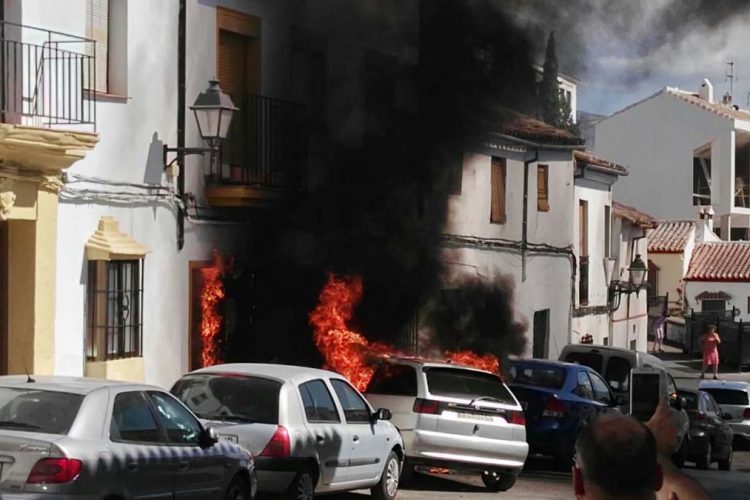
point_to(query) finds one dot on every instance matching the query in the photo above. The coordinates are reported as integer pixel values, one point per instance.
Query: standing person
(710, 341)
(659, 326)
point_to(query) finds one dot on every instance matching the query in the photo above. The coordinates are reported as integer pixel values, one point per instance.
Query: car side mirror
(382, 414)
(678, 403)
(208, 437)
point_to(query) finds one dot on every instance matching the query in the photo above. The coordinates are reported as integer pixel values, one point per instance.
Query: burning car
(453, 416)
(309, 430)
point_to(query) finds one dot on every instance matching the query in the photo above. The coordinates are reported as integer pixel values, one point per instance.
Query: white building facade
(684, 151)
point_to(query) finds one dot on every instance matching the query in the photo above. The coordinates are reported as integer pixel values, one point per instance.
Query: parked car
(558, 399)
(455, 417)
(614, 365)
(310, 430)
(733, 398)
(710, 435)
(64, 437)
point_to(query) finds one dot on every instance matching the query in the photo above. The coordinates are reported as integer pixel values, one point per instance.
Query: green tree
(554, 107)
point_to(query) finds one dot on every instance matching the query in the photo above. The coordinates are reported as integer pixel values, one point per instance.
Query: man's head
(616, 458)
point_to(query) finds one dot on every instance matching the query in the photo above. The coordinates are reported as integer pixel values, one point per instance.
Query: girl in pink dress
(710, 342)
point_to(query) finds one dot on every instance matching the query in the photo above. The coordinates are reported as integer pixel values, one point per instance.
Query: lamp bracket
(186, 151)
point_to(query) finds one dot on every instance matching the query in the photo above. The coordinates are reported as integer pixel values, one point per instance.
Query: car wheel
(499, 480)
(704, 461)
(726, 464)
(303, 486)
(387, 487)
(680, 456)
(408, 473)
(238, 489)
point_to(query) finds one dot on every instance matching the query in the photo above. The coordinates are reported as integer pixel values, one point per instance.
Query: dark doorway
(541, 334)
(713, 305)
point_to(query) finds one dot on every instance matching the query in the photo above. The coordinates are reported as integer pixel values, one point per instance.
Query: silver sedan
(77, 438)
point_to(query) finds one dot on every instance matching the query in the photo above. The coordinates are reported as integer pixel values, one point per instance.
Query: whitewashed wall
(672, 267)
(739, 291)
(548, 281)
(655, 139)
(629, 323)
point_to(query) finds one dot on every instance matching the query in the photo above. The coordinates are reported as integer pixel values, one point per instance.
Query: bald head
(617, 454)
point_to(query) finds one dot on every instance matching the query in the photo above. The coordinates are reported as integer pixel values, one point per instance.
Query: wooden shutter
(542, 188)
(497, 180)
(232, 59)
(583, 227)
(97, 28)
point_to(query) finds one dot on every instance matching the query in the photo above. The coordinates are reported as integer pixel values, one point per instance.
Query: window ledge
(127, 369)
(103, 96)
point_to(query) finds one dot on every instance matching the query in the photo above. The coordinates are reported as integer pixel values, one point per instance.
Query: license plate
(474, 416)
(227, 437)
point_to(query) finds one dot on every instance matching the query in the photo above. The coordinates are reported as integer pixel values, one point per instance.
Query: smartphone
(645, 392)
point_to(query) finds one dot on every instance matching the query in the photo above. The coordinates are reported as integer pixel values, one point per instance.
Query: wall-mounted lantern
(637, 281)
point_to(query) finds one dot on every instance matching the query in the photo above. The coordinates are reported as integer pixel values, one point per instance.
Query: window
(618, 373)
(541, 375)
(702, 178)
(115, 305)
(133, 420)
(583, 249)
(713, 305)
(742, 177)
(355, 408)
(466, 384)
(394, 380)
(653, 279)
(217, 397)
(601, 391)
(542, 188)
(106, 23)
(541, 334)
(691, 400)
(584, 388)
(607, 231)
(319, 406)
(181, 427)
(48, 412)
(728, 396)
(497, 180)
(590, 359)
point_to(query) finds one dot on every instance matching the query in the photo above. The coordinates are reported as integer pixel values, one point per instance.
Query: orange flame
(212, 294)
(348, 352)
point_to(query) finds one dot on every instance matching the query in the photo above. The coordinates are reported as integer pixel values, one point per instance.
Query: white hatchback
(455, 417)
(309, 430)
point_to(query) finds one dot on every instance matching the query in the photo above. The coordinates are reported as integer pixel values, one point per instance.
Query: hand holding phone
(645, 392)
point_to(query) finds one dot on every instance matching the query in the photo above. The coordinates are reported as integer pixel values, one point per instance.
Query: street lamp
(637, 281)
(213, 111)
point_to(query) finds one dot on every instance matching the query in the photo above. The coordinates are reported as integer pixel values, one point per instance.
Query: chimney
(707, 216)
(707, 91)
(727, 99)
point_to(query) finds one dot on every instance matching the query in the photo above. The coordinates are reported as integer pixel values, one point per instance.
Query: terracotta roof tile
(531, 129)
(720, 261)
(713, 296)
(670, 237)
(714, 107)
(599, 163)
(637, 217)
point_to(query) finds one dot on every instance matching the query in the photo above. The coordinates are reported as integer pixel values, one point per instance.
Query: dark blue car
(557, 398)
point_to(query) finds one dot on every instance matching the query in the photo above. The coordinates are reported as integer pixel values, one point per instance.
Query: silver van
(614, 364)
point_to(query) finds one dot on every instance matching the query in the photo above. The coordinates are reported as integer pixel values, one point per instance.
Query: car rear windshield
(50, 412)
(466, 384)
(691, 400)
(393, 380)
(728, 396)
(590, 359)
(552, 377)
(235, 398)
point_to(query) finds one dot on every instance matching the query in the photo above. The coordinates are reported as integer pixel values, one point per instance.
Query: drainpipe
(525, 224)
(181, 50)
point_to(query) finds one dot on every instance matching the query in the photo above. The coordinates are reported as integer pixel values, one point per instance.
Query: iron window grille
(115, 309)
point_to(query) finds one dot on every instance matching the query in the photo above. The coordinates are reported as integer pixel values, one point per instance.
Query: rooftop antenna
(729, 74)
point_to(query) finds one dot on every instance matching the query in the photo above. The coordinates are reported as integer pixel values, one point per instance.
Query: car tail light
(554, 408)
(515, 417)
(746, 413)
(427, 406)
(54, 471)
(278, 446)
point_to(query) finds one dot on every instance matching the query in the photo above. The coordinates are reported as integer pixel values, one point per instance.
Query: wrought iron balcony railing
(266, 145)
(45, 77)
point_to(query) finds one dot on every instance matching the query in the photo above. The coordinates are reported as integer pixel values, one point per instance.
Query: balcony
(263, 161)
(44, 79)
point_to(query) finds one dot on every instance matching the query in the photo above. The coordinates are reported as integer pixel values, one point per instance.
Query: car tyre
(303, 486)
(680, 456)
(704, 461)
(238, 489)
(408, 474)
(387, 487)
(499, 480)
(726, 464)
